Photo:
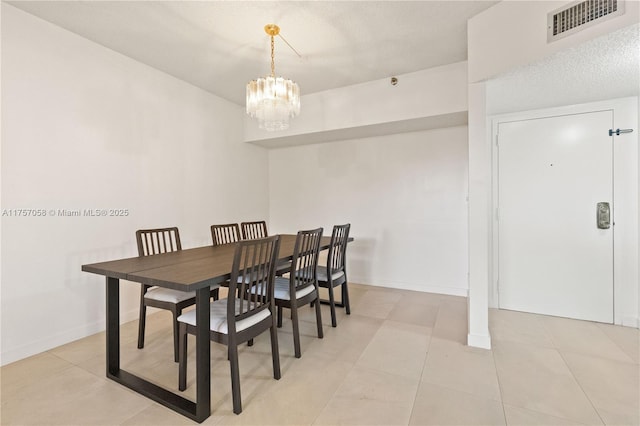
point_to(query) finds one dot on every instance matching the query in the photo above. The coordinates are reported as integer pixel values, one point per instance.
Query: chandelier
(273, 100)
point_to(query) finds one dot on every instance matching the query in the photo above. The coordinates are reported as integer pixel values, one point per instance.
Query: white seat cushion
(168, 295)
(247, 279)
(281, 290)
(172, 296)
(218, 317)
(322, 274)
(304, 273)
(283, 266)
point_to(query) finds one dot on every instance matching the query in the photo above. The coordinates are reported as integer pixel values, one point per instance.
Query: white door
(553, 257)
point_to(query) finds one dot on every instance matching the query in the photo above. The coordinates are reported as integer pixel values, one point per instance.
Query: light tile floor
(400, 358)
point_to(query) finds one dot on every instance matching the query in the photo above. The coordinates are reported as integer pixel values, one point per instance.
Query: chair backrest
(254, 230)
(305, 260)
(252, 278)
(338, 249)
(225, 234)
(156, 241)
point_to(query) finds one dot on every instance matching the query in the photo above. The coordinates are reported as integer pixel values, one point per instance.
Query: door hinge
(617, 132)
(496, 140)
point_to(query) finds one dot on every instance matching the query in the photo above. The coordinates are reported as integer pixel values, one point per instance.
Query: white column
(479, 218)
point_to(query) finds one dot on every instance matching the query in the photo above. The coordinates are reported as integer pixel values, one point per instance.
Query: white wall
(405, 196)
(606, 67)
(87, 128)
(431, 93)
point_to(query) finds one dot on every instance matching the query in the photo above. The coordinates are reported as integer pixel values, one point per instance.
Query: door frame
(626, 298)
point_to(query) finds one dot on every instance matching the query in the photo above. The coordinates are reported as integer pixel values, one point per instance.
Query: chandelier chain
(273, 61)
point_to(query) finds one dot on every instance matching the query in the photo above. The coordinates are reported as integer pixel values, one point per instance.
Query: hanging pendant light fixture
(273, 100)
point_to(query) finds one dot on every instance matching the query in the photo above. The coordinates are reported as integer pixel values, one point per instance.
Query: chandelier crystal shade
(273, 100)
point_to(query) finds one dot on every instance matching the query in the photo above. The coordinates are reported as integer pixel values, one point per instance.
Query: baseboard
(630, 322)
(451, 291)
(59, 339)
(479, 341)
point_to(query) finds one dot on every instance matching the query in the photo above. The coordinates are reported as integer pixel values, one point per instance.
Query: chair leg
(275, 353)
(345, 298)
(235, 378)
(279, 316)
(296, 331)
(332, 306)
(176, 313)
(319, 321)
(141, 321)
(215, 294)
(250, 342)
(182, 366)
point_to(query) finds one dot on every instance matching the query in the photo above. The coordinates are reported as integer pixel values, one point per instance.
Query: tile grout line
(555, 348)
(580, 386)
(345, 378)
(599, 328)
(493, 357)
(70, 366)
(466, 392)
(424, 365)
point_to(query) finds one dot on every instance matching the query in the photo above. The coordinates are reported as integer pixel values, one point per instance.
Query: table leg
(203, 354)
(113, 325)
(197, 411)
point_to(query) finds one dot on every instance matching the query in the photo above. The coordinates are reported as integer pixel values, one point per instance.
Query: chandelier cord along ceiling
(273, 100)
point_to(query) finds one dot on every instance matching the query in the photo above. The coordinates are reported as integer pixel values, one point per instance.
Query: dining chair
(258, 229)
(301, 288)
(235, 320)
(253, 230)
(335, 273)
(225, 234)
(152, 242)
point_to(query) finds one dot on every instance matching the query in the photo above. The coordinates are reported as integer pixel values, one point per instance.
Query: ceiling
(605, 67)
(220, 45)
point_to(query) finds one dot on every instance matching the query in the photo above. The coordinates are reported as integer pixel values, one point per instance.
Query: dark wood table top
(188, 269)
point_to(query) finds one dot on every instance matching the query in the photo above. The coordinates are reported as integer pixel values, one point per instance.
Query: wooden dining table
(195, 269)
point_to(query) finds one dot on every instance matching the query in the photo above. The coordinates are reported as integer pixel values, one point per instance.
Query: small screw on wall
(394, 81)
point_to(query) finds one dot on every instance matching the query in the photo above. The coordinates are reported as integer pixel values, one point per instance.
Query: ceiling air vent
(579, 15)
